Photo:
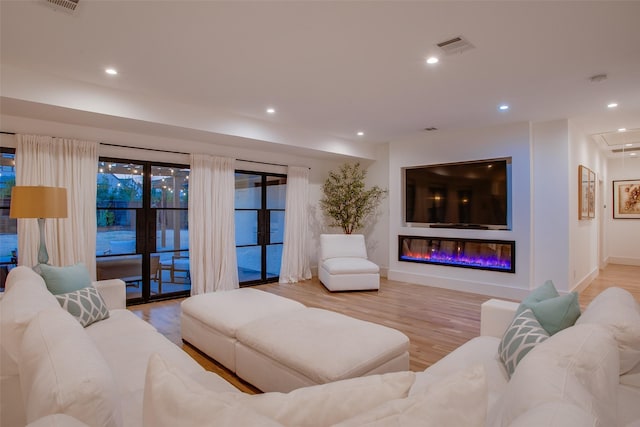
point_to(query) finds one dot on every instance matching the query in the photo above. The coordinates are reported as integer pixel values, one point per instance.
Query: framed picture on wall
(626, 199)
(591, 201)
(583, 192)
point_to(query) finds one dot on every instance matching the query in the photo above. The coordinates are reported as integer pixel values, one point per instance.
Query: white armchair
(343, 264)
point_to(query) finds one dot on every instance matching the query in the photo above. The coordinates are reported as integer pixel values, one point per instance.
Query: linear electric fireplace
(495, 255)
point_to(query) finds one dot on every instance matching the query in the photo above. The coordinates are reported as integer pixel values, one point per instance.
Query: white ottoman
(298, 348)
(210, 321)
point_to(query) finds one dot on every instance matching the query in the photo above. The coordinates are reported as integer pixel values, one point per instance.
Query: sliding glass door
(142, 221)
(259, 225)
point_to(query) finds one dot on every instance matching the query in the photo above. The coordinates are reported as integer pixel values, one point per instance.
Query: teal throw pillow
(86, 305)
(555, 312)
(541, 293)
(524, 333)
(61, 280)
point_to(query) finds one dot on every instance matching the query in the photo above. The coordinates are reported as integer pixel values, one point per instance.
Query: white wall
(585, 234)
(457, 146)
(377, 230)
(623, 235)
(551, 203)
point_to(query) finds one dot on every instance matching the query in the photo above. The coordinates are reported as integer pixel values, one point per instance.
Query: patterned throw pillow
(521, 337)
(85, 304)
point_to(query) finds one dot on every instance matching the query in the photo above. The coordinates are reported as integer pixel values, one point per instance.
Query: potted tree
(346, 202)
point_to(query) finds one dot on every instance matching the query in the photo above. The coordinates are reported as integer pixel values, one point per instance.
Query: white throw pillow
(458, 400)
(62, 371)
(20, 304)
(616, 309)
(173, 399)
(578, 365)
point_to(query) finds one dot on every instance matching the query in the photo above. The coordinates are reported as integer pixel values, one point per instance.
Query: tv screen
(470, 194)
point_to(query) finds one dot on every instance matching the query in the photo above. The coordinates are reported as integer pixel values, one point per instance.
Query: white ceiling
(329, 68)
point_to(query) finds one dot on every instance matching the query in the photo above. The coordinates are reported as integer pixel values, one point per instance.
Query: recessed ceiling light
(612, 105)
(360, 133)
(628, 144)
(503, 107)
(432, 60)
(271, 110)
(111, 71)
(622, 130)
(632, 154)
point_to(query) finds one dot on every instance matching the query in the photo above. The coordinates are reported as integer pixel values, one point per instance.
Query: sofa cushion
(631, 377)
(323, 345)
(554, 312)
(578, 366)
(327, 404)
(57, 420)
(61, 280)
(479, 350)
(555, 414)
(61, 371)
(85, 304)
(342, 246)
(126, 342)
(458, 400)
(21, 302)
(172, 399)
(350, 266)
(323, 404)
(520, 338)
(616, 309)
(226, 311)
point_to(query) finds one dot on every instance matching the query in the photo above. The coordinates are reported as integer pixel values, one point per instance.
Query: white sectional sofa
(50, 364)
(120, 371)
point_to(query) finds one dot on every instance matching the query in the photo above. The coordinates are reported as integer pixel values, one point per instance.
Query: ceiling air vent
(67, 4)
(455, 45)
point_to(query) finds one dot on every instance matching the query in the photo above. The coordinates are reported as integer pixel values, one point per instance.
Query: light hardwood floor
(436, 320)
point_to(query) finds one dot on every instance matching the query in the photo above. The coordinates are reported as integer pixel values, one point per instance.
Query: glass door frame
(263, 238)
(145, 229)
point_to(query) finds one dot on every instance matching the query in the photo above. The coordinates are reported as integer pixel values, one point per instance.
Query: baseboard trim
(623, 260)
(586, 281)
(490, 289)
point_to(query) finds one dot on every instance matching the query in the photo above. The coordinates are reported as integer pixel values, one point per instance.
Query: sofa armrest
(496, 316)
(114, 293)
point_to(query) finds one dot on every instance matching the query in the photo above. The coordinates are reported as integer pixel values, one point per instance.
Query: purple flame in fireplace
(431, 253)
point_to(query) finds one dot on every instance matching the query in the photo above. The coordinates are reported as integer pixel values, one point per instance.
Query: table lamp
(39, 202)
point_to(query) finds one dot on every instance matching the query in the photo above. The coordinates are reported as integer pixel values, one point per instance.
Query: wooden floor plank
(436, 320)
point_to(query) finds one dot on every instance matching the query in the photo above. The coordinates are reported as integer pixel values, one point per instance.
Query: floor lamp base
(43, 256)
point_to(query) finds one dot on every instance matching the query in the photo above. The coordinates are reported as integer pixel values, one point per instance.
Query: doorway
(259, 225)
(142, 218)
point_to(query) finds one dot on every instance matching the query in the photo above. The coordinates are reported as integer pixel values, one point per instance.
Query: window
(8, 226)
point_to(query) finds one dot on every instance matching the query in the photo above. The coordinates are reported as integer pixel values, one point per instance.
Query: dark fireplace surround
(483, 254)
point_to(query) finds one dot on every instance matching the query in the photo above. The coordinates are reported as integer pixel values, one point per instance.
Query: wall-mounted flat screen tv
(459, 195)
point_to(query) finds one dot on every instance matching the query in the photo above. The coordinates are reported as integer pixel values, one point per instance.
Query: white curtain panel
(59, 162)
(212, 241)
(295, 253)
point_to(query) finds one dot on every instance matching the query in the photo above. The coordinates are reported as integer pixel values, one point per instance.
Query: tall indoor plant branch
(345, 200)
